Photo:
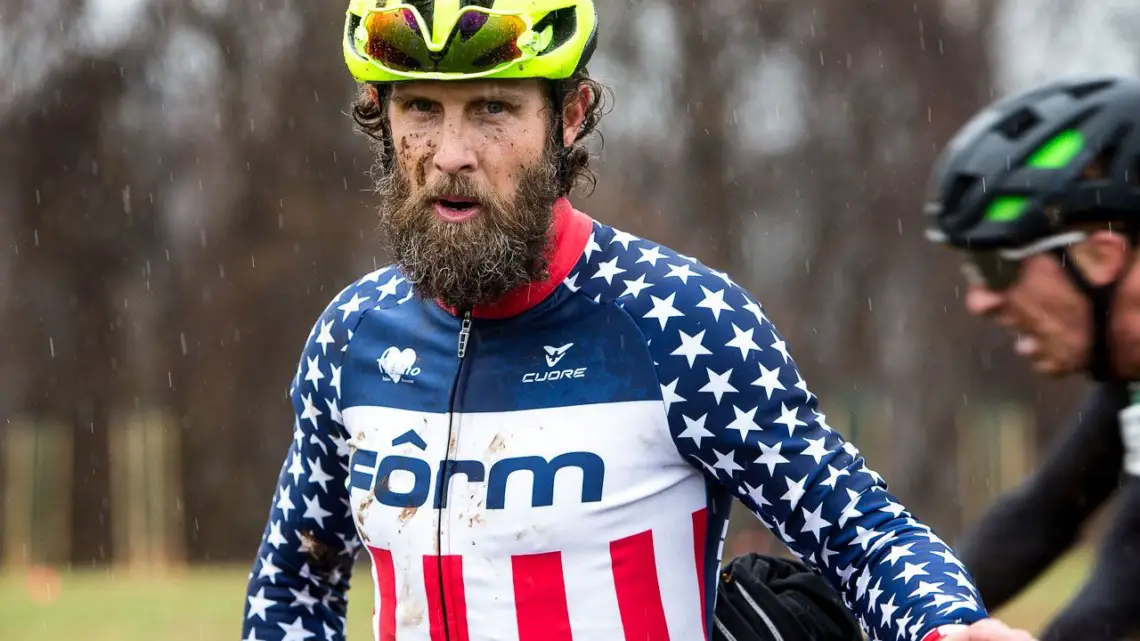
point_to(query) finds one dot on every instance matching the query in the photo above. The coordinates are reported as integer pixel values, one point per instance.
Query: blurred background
(181, 193)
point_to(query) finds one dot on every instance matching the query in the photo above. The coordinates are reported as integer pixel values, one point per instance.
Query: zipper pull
(464, 333)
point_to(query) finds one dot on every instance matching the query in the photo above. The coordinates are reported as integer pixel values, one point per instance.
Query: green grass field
(206, 604)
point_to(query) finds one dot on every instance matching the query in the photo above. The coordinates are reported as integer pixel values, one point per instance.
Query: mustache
(452, 186)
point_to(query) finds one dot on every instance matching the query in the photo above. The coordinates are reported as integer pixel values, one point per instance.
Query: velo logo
(406, 481)
(399, 364)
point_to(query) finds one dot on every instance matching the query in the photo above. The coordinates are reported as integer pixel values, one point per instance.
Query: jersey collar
(572, 230)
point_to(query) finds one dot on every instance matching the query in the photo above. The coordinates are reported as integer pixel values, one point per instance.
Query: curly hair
(369, 112)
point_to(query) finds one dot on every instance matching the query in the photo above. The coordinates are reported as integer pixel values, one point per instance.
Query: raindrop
(36, 237)
(38, 201)
(51, 346)
(182, 340)
(169, 379)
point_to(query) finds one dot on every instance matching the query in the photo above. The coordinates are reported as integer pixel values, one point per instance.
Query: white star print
(744, 423)
(624, 239)
(313, 375)
(608, 270)
(788, 419)
(663, 309)
(310, 412)
(591, 247)
(334, 412)
(779, 345)
(314, 511)
(670, 396)
(770, 457)
(295, 631)
(726, 462)
(318, 475)
(302, 598)
(324, 339)
(389, 287)
(634, 287)
(814, 522)
(681, 271)
(795, 491)
(335, 379)
(691, 347)
(834, 474)
(911, 570)
(851, 509)
(714, 302)
(268, 569)
(695, 429)
(276, 539)
(925, 588)
(651, 255)
(285, 502)
(258, 605)
(815, 449)
(769, 380)
(742, 341)
(352, 306)
(864, 537)
(295, 468)
(898, 552)
(718, 384)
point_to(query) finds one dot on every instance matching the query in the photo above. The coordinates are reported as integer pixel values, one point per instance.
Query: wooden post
(38, 523)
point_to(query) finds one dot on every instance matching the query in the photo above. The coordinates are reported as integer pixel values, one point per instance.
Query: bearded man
(534, 423)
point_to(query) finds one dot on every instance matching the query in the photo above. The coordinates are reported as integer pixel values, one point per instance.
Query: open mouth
(455, 209)
(458, 204)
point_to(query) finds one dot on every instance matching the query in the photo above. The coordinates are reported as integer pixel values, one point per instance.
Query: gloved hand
(766, 598)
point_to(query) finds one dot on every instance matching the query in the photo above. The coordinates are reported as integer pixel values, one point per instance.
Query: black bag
(766, 598)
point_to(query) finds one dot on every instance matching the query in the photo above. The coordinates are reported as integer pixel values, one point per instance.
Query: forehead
(523, 89)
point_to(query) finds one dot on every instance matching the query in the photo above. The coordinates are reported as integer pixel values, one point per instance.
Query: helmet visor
(480, 42)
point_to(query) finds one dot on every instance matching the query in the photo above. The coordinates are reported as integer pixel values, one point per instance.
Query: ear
(574, 114)
(1103, 257)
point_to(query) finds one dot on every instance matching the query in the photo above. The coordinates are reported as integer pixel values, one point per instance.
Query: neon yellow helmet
(393, 40)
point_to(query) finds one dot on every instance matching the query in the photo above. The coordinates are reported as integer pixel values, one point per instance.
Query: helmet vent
(1087, 89)
(1018, 123)
(962, 184)
(1100, 167)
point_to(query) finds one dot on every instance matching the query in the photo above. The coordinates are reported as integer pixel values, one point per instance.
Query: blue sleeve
(300, 577)
(740, 411)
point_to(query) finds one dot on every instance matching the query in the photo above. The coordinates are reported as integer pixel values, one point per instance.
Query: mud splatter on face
(477, 261)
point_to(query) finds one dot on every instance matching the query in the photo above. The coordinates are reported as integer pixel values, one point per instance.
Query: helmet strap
(1101, 298)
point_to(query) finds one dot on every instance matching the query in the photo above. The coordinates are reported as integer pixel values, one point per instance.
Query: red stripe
(700, 535)
(453, 603)
(638, 591)
(540, 597)
(386, 586)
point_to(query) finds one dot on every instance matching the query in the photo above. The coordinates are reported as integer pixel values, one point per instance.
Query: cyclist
(532, 422)
(1039, 191)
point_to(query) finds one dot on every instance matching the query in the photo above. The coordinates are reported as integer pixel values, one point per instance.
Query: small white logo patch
(555, 354)
(398, 364)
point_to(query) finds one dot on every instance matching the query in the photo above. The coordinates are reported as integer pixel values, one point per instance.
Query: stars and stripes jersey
(561, 465)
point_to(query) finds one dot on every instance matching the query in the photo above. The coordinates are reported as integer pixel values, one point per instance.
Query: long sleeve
(1008, 548)
(299, 579)
(740, 411)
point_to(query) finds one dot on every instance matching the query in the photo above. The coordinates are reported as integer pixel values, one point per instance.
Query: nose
(455, 154)
(981, 301)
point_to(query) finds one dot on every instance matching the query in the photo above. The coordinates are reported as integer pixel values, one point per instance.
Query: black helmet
(1028, 165)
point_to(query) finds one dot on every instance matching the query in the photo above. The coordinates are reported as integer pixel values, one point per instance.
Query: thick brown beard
(476, 262)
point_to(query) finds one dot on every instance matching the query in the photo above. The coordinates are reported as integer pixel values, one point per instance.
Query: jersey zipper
(456, 383)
